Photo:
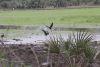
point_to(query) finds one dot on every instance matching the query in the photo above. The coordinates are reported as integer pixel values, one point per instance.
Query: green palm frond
(81, 40)
(76, 44)
(54, 44)
(90, 52)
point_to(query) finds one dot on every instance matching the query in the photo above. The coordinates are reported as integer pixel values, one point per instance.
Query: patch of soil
(22, 56)
(12, 53)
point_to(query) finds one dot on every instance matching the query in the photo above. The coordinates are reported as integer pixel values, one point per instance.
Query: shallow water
(38, 39)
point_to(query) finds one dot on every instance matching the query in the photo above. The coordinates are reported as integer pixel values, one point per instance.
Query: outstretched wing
(45, 32)
(51, 25)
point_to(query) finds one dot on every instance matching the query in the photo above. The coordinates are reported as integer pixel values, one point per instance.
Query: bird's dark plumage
(45, 32)
(2, 35)
(50, 27)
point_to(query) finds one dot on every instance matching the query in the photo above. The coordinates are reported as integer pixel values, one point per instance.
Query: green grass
(60, 17)
(17, 33)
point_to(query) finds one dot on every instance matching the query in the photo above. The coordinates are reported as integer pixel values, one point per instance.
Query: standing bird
(2, 36)
(50, 27)
(45, 32)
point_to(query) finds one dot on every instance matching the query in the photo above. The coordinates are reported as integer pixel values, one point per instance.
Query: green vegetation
(74, 48)
(24, 4)
(17, 33)
(1, 55)
(61, 17)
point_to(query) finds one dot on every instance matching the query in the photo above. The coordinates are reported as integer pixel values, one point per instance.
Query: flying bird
(45, 32)
(50, 27)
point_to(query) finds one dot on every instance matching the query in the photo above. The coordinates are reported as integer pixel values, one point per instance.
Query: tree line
(23, 4)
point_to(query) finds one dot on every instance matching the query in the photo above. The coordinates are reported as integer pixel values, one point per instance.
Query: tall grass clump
(75, 49)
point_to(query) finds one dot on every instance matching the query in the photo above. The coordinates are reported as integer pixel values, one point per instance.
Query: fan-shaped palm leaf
(54, 45)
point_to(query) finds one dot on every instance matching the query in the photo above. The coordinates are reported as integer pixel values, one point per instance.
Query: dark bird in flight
(45, 32)
(50, 27)
(2, 35)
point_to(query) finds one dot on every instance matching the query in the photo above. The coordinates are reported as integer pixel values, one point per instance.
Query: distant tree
(4, 4)
(22, 4)
(96, 1)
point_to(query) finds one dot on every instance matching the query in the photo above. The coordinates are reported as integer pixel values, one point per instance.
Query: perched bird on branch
(45, 32)
(50, 27)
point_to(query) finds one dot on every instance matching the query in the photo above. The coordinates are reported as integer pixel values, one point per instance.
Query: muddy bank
(27, 57)
(12, 53)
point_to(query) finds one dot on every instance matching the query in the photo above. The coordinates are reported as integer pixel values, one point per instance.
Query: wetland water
(40, 37)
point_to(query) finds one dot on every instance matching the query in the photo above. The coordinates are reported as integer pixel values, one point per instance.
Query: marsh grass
(17, 33)
(26, 33)
(60, 17)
